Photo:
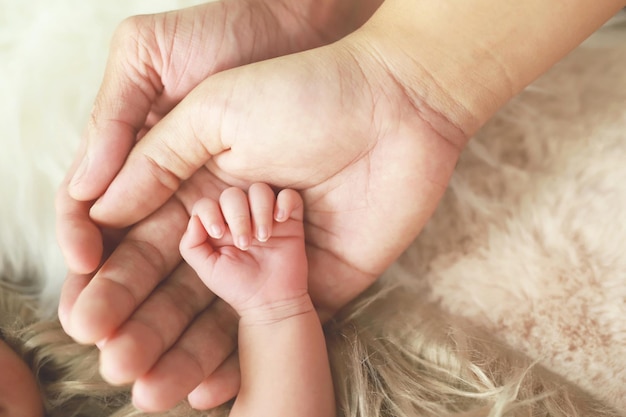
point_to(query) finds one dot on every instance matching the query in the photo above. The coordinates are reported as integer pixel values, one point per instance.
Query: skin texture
(282, 353)
(367, 128)
(19, 393)
(159, 325)
(362, 169)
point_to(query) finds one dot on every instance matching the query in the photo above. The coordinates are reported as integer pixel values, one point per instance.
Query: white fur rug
(528, 243)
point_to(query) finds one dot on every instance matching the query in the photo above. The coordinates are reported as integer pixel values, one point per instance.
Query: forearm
(306, 24)
(465, 59)
(337, 18)
(284, 367)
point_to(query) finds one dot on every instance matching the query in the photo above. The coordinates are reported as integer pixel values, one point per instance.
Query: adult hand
(362, 127)
(155, 61)
(275, 121)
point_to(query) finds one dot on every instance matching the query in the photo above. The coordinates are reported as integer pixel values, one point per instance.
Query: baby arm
(282, 352)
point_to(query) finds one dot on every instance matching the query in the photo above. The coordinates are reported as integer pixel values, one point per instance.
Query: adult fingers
(221, 386)
(73, 285)
(147, 253)
(122, 104)
(190, 360)
(81, 243)
(154, 328)
(79, 238)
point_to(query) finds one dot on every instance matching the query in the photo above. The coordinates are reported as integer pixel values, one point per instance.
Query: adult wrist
(464, 60)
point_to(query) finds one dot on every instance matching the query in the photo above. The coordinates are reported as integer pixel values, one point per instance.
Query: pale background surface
(527, 244)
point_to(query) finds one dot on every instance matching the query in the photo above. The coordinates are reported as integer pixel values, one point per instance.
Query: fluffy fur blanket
(527, 245)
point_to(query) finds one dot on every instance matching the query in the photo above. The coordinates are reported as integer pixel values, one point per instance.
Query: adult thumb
(171, 152)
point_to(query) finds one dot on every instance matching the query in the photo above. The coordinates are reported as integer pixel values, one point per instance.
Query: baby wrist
(276, 312)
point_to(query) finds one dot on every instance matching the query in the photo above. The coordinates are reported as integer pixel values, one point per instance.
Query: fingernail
(261, 233)
(243, 242)
(280, 215)
(215, 231)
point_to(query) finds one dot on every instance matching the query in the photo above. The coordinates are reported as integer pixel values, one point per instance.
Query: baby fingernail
(262, 233)
(244, 242)
(215, 231)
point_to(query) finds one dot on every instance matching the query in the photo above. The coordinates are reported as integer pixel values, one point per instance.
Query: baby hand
(249, 273)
